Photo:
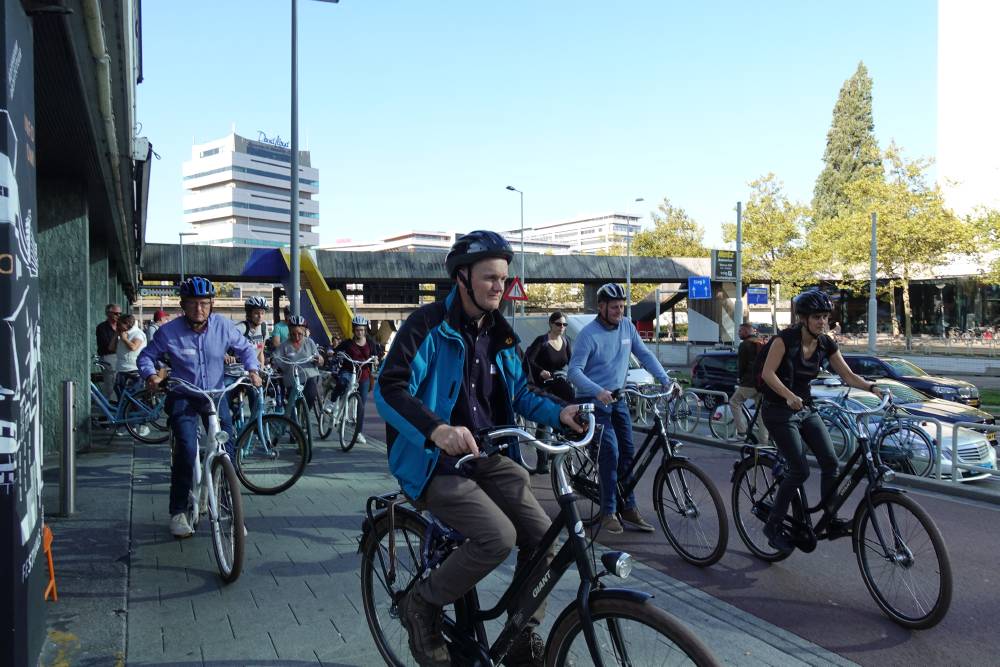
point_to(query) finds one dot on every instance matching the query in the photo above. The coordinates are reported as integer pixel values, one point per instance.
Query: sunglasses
(559, 324)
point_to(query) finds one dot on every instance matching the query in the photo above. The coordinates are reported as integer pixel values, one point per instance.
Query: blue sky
(419, 113)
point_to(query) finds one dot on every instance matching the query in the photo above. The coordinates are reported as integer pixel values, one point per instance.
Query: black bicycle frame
(656, 441)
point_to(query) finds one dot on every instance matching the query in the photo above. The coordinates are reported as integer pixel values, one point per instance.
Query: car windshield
(901, 393)
(904, 367)
(867, 401)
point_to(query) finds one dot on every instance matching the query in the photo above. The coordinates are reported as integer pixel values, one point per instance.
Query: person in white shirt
(131, 340)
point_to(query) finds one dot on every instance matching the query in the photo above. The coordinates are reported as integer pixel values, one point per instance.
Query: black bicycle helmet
(475, 246)
(812, 302)
(610, 292)
(197, 287)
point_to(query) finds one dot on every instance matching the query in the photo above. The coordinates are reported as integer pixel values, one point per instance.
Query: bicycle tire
(157, 429)
(751, 479)
(228, 536)
(379, 595)
(324, 421)
(908, 449)
(687, 412)
(843, 443)
(724, 428)
(349, 425)
(582, 472)
(270, 467)
(912, 551)
(301, 417)
(567, 643)
(691, 512)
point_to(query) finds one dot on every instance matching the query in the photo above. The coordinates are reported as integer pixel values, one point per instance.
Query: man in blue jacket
(454, 370)
(598, 366)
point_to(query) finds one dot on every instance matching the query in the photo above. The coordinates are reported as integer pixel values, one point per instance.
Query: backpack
(784, 368)
(246, 329)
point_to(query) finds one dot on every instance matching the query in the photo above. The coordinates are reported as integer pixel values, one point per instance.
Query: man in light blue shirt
(196, 345)
(598, 366)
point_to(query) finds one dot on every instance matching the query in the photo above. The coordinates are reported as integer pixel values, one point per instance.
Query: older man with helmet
(196, 344)
(454, 369)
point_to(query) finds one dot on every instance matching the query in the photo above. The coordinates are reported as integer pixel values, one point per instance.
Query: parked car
(973, 446)
(895, 368)
(715, 370)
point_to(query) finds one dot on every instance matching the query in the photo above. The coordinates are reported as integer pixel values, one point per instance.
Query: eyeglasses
(115, 314)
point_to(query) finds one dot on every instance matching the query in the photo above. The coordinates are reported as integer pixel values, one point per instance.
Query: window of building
(210, 151)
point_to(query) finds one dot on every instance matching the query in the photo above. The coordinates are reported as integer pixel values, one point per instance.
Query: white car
(973, 447)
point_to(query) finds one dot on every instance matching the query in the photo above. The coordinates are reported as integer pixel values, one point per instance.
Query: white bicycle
(343, 415)
(215, 488)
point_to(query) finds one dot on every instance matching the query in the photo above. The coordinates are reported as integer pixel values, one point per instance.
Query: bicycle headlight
(222, 437)
(618, 563)
(888, 474)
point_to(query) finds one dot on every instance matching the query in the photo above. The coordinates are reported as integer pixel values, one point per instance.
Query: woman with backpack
(792, 360)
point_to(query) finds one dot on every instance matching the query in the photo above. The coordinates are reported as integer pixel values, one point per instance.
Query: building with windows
(583, 235)
(238, 193)
(422, 240)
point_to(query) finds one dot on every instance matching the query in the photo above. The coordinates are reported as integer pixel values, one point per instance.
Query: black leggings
(790, 431)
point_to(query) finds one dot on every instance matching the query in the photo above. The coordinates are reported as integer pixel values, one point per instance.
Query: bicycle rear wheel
(349, 425)
(754, 488)
(381, 590)
(691, 512)
(270, 460)
(228, 532)
(628, 632)
(721, 423)
(908, 449)
(154, 430)
(843, 443)
(910, 579)
(582, 472)
(687, 412)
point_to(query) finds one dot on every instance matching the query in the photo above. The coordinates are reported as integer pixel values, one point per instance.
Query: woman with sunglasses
(546, 359)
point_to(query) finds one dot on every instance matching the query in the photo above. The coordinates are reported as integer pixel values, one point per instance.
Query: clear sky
(419, 113)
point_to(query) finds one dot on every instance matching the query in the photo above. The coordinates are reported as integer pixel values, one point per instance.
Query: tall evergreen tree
(852, 152)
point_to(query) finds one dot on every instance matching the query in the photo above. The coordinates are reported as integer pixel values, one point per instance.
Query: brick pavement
(298, 599)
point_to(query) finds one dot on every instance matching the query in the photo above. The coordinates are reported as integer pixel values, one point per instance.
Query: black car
(715, 370)
(901, 370)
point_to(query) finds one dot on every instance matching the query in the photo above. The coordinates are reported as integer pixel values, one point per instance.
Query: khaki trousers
(740, 395)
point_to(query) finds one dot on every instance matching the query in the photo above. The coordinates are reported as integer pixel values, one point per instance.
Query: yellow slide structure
(330, 305)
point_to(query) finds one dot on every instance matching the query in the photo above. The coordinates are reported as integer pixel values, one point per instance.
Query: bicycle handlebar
(886, 400)
(206, 393)
(286, 360)
(525, 438)
(673, 389)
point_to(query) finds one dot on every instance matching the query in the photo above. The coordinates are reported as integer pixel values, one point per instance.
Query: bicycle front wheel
(382, 587)
(349, 425)
(154, 430)
(272, 458)
(324, 420)
(686, 412)
(754, 488)
(628, 633)
(691, 512)
(721, 423)
(581, 469)
(908, 449)
(228, 533)
(908, 570)
(843, 443)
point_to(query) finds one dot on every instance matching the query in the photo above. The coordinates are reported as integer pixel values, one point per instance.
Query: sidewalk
(298, 599)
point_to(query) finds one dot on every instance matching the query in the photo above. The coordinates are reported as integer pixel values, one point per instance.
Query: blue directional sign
(757, 295)
(699, 287)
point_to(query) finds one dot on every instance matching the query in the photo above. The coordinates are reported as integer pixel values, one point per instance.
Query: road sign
(159, 290)
(724, 266)
(515, 291)
(757, 295)
(699, 287)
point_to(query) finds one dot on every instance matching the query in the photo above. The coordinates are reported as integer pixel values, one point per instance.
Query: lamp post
(521, 195)
(180, 237)
(628, 259)
(941, 287)
(293, 249)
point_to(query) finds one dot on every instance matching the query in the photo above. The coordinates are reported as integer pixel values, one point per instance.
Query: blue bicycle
(137, 410)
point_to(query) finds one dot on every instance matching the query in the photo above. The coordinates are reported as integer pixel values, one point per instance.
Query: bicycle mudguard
(599, 594)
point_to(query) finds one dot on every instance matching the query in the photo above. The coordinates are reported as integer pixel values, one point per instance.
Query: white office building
(582, 235)
(238, 193)
(412, 240)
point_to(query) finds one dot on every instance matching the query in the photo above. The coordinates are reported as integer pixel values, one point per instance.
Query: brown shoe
(610, 524)
(422, 622)
(634, 519)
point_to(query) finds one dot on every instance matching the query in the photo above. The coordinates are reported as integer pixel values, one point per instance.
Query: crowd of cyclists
(454, 370)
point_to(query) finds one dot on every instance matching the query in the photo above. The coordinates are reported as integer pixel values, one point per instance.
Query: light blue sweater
(601, 355)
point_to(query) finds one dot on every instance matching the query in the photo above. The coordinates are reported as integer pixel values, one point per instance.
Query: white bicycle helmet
(359, 321)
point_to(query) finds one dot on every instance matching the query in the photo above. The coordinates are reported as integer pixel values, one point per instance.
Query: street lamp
(293, 250)
(180, 236)
(521, 194)
(628, 259)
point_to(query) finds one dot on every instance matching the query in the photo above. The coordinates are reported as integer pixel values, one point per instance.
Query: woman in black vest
(546, 360)
(793, 362)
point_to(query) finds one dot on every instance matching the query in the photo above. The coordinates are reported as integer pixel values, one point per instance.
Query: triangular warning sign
(515, 291)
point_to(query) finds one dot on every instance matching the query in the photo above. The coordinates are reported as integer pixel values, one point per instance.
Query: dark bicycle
(901, 554)
(688, 504)
(604, 625)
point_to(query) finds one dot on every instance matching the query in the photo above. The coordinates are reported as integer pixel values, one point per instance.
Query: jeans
(184, 413)
(343, 381)
(792, 432)
(616, 453)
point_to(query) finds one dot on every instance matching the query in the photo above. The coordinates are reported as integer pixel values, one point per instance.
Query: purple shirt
(197, 356)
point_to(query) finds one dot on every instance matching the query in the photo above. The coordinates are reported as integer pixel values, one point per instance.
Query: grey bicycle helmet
(812, 302)
(296, 321)
(611, 292)
(255, 302)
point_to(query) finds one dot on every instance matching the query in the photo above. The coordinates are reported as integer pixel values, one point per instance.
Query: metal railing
(955, 465)
(723, 396)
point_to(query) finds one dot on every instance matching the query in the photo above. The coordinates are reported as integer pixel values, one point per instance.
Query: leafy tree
(773, 240)
(986, 222)
(674, 234)
(915, 230)
(549, 296)
(852, 152)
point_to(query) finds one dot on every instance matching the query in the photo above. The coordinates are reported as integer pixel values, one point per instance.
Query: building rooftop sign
(273, 141)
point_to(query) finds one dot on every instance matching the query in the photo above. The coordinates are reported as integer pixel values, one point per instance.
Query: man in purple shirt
(197, 345)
